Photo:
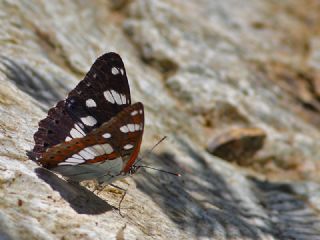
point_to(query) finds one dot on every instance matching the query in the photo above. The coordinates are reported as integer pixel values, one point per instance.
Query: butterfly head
(133, 169)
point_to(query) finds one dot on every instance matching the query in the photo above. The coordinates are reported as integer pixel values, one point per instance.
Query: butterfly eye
(56, 121)
(50, 131)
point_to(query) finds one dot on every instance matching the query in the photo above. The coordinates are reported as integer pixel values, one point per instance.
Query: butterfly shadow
(80, 198)
(201, 202)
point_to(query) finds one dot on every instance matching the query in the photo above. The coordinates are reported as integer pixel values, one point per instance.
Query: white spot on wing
(76, 156)
(79, 130)
(124, 129)
(68, 163)
(74, 160)
(116, 97)
(107, 148)
(137, 127)
(128, 146)
(98, 149)
(108, 96)
(68, 139)
(89, 120)
(114, 71)
(94, 75)
(140, 111)
(91, 103)
(122, 71)
(75, 133)
(106, 135)
(135, 112)
(90, 151)
(131, 127)
(123, 99)
(85, 154)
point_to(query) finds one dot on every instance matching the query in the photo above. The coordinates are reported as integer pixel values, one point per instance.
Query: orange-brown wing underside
(121, 136)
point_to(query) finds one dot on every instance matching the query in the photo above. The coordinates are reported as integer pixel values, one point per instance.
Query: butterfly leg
(98, 187)
(125, 192)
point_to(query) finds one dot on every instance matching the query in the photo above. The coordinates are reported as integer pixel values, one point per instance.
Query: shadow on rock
(80, 199)
(203, 203)
(32, 82)
(290, 213)
(199, 202)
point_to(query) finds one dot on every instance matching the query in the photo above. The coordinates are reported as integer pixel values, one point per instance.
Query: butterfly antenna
(151, 150)
(148, 153)
(160, 170)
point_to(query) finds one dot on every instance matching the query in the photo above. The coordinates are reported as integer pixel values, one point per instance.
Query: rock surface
(237, 144)
(200, 67)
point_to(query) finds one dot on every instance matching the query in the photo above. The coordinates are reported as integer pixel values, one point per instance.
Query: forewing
(102, 94)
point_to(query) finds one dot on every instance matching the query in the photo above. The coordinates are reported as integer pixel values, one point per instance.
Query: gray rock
(237, 144)
(190, 63)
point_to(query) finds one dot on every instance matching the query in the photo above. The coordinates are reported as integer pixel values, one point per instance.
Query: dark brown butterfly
(95, 133)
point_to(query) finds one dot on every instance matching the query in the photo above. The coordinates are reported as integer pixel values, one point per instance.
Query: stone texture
(200, 67)
(237, 144)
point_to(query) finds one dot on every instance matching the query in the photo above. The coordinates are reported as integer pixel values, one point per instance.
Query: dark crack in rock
(237, 144)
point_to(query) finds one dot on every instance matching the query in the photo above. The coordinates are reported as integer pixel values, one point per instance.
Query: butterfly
(95, 133)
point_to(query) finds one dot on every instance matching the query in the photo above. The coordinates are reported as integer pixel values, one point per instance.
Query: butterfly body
(95, 133)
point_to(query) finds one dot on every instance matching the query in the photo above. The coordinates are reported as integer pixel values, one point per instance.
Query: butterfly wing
(102, 94)
(102, 154)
